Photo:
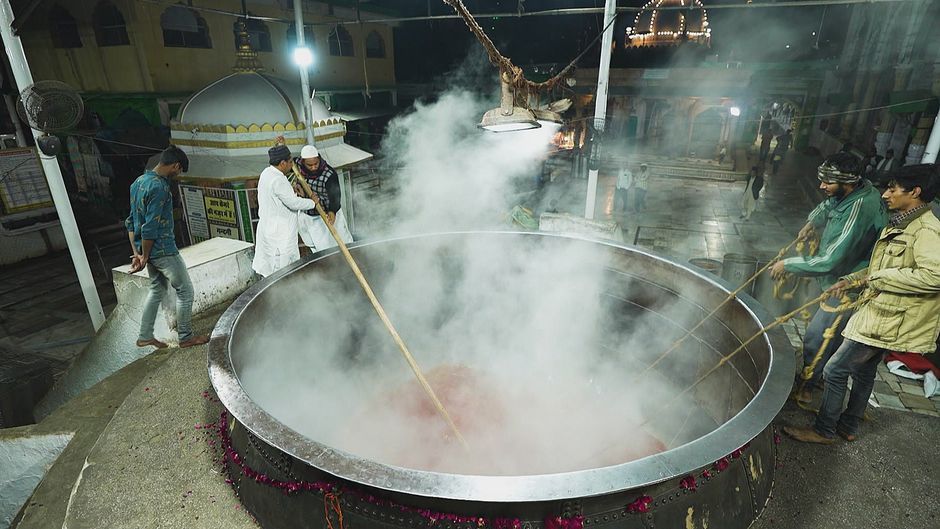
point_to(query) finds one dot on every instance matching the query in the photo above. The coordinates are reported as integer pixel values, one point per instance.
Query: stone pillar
(933, 142)
(640, 118)
(868, 101)
(848, 120)
(889, 120)
(916, 151)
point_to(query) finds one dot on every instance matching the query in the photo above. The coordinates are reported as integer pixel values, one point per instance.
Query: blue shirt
(151, 214)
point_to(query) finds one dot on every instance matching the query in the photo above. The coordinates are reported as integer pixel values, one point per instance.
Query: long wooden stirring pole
(378, 308)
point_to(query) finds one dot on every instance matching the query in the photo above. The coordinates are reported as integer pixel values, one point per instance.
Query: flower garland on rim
(231, 461)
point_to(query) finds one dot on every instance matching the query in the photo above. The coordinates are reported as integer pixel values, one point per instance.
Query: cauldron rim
(687, 458)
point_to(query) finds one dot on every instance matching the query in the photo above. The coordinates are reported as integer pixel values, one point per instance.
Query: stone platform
(220, 269)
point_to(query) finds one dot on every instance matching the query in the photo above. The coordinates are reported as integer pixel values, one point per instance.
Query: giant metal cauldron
(731, 409)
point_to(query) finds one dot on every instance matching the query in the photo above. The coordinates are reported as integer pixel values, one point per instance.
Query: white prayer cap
(309, 151)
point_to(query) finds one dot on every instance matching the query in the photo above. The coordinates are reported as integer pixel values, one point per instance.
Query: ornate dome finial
(246, 58)
(654, 26)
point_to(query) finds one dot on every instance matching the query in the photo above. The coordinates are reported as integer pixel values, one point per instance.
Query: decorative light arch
(655, 35)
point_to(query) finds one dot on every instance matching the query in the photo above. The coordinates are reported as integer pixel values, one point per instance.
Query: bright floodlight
(303, 57)
(507, 117)
(735, 111)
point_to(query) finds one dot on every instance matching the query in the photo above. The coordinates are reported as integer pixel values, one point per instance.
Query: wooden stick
(378, 308)
(675, 345)
(778, 321)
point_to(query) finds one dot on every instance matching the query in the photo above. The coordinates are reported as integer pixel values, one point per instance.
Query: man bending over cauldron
(902, 311)
(849, 219)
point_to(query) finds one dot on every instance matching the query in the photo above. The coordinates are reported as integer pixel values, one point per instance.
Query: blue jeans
(813, 339)
(168, 270)
(856, 360)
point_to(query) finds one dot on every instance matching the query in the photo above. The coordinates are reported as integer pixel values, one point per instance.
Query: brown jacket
(904, 278)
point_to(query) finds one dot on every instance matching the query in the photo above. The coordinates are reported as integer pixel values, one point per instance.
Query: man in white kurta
(276, 239)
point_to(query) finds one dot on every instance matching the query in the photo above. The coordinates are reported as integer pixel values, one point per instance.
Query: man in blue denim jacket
(150, 231)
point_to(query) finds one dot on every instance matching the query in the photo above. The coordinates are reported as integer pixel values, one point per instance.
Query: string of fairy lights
(640, 37)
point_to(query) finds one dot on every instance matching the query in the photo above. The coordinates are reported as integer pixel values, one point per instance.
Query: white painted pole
(50, 166)
(304, 80)
(600, 101)
(933, 143)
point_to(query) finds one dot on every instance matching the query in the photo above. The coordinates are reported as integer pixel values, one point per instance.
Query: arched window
(375, 46)
(341, 44)
(258, 34)
(184, 28)
(110, 29)
(292, 37)
(63, 28)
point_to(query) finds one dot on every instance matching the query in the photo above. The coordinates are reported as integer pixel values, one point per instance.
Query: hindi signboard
(195, 213)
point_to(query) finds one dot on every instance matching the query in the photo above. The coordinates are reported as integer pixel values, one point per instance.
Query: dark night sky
(426, 49)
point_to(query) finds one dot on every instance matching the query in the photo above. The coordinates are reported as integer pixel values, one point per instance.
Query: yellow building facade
(81, 42)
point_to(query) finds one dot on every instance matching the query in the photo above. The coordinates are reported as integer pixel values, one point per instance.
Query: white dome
(246, 98)
(319, 111)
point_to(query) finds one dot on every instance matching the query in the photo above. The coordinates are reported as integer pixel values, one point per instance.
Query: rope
(801, 248)
(517, 78)
(843, 307)
(846, 304)
(331, 505)
(725, 359)
(731, 295)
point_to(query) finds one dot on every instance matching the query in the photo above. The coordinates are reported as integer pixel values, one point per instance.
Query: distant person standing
(622, 192)
(766, 136)
(150, 231)
(276, 239)
(884, 166)
(641, 182)
(780, 151)
(752, 189)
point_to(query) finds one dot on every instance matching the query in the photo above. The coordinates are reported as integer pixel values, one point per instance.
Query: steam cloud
(525, 343)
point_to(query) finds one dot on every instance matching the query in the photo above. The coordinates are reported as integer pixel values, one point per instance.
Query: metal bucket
(738, 268)
(712, 266)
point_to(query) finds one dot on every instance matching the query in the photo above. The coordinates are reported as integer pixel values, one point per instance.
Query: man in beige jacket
(903, 309)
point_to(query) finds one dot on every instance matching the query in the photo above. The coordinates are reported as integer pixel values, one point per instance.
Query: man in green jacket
(849, 221)
(903, 308)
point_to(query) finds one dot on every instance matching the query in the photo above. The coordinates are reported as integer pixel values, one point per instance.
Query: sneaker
(195, 340)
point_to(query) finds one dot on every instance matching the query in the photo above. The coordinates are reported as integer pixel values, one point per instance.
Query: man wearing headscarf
(324, 182)
(276, 238)
(850, 220)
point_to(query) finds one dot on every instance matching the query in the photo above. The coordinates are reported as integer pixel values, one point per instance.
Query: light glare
(303, 57)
